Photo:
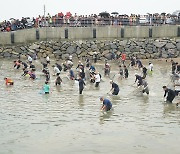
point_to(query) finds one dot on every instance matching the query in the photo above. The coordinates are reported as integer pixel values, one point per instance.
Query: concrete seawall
(78, 33)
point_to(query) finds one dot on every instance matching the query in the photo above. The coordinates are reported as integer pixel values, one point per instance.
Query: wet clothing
(139, 64)
(48, 60)
(126, 73)
(107, 69)
(178, 69)
(87, 62)
(69, 64)
(71, 74)
(82, 73)
(173, 67)
(58, 81)
(123, 57)
(80, 65)
(121, 72)
(133, 62)
(44, 65)
(17, 64)
(139, 78)
(97, 80)
(170, 95)
(108, 104)
(92, 80)
(65, 67)
(145, 85)
(32, 76)
(9, 81)
(56, 71)
(150, 69)
(95, 57)
(81, 85)
(59, 67)
(45, 70)
(33, 67)
(30, 59)
(46, 88)
(144, 72)
(92, 68)
(25, 72)
(47, 75)
(25, 65)
(116, 89)
(177, 87)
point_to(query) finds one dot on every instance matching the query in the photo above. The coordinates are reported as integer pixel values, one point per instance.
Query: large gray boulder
(78, 51)
(30, 51)
(34, 46)
(70, 50)
(65, 56)
(159, 44)
(56, 47)
(101, 45)
(18, 50)
(178, 46)
(105, 52)
(94, 47)
(170, 46)
(57, 52)
(164, 54)
(142, 51)
(113, 46)
(108, 56)
(6, 55)
(139, 43)
(107, 47)
(15, 56)
(23, 48)
(84, 46)
(8, 50)
(123, 43)
(42, 47)
(1, 50)
(91, 53)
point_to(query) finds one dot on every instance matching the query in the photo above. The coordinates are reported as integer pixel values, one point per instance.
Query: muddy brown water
(65, 122)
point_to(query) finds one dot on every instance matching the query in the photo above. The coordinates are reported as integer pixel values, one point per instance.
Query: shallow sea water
(65, 122)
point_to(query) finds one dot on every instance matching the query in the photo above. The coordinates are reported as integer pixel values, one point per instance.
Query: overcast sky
(33, 8)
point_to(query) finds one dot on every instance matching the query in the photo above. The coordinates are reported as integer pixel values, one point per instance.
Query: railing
(88, 22)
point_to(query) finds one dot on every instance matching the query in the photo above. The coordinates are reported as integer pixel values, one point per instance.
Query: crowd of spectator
(102, 19)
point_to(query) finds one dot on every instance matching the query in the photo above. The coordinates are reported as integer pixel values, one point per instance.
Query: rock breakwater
(142, 48)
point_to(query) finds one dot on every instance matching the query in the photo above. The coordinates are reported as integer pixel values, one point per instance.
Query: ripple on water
(67, 121)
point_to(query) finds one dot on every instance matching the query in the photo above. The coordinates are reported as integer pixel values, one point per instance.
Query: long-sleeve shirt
(169, 92)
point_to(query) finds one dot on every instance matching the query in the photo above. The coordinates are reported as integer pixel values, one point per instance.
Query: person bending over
(169, 94)
(107, 105)
(115, 88)
(8, 81)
